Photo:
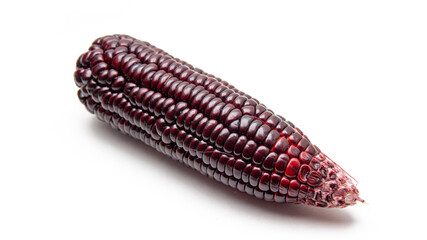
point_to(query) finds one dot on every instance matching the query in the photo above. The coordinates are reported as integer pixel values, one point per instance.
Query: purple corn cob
(207, 124)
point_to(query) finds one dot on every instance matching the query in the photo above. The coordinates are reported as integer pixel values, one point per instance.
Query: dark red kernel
(281, 163)
(259, 109)
(234, 126)
(253, 128)
(214, 158)
(269, 161)
(292, 168)
(207, 154)
(274, 182)
(302, 191)
(264, 182)
(201, 148)
(262, 133)
(215, 132)
(248, 110)
(240, 144)
(294, 138)
(246, 172)
(293, 151)
(249, 150)
(195, 122)
(233, 115)
(229, 144)
(287, 131)
(222, 162)
(259, 155)
(303, 144)
(210, 125)
(273, 121)
(226, 110)
(255, 176)
(305, 158)
(265, 115)
(239, 165)
(223, 135)
(229, 166)
(283, 186)
(293, 189)
(271, 139)
(281, 145)
(240, 101)
(245, 122)
(311, 150)
(216, 111)
(200, 126)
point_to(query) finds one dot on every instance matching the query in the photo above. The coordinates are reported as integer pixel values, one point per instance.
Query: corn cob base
(207, 124)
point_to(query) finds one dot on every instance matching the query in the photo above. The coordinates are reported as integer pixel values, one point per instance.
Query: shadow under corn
(249, 204)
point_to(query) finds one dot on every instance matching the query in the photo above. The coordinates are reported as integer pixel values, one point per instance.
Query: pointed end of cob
(346, 194)
(337, 188)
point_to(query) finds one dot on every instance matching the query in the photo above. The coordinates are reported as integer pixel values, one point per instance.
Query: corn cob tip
(336, 188)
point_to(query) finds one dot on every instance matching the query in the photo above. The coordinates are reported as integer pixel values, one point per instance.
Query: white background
(351, 75)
